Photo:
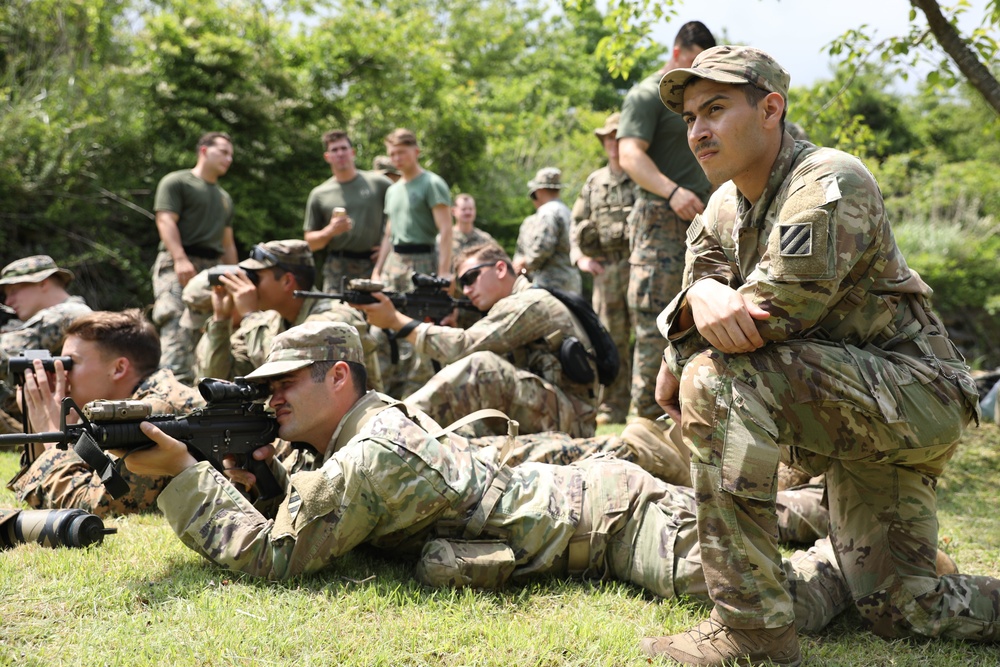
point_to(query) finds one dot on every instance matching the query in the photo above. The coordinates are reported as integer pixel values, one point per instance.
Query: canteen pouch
(575, 361)
(459, 563)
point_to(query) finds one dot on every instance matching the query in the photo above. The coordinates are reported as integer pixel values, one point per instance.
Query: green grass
(142, 598)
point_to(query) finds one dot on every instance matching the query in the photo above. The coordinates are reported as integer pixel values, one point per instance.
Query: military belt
(201, 252)
(351, 254)
(413, 248)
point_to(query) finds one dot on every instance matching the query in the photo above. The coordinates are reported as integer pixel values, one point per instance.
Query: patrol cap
(547, 178)
(383, 164)
(33, 269)
(308, 343)
(610, 126)
(289, 254)
(737, 65)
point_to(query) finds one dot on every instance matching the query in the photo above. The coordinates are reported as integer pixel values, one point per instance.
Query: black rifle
(428, 302)
(233, 423)
(51, 528)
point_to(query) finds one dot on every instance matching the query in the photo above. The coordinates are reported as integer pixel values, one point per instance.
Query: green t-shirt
(409, 207)
(364, 199)
(205, 209)
(645, 117)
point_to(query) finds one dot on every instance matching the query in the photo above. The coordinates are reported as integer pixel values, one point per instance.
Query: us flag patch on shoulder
(796, 240)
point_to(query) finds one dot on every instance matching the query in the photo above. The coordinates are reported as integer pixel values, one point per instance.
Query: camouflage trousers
(59, 479)
(659, 241)
(397, 270)
(641, 530)
(882, 426)
(611, 305)
(337, 266)
(486, 380)
(177, 342)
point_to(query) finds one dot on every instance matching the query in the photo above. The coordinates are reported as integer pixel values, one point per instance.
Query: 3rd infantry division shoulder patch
(796, 240)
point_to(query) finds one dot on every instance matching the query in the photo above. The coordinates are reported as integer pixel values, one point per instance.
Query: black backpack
(605, 352)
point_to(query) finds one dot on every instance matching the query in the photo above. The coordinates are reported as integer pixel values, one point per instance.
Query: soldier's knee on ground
(656, 453)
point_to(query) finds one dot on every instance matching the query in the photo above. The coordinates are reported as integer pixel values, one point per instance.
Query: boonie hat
(308, 343)
(610, 126)
(383, 164)
(726, 64)
(547, 178)
(33, 269)
(289, 254)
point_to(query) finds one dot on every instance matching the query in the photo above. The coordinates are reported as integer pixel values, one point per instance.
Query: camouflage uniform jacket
(226, 354)
(816, 252)
(526, 328)
(43, 331)
(460, 240)
(383, 482)
(599, 214)
(60, 479)
(543, 244)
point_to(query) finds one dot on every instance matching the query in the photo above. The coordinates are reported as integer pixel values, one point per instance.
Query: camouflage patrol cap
(289, 254)
(33, 269)
(383, 164)
(737, 65)
(610, 126)
(547, 178)
(308, 343)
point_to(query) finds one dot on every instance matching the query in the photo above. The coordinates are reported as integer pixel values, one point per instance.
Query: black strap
(86, 448)
(407, 328)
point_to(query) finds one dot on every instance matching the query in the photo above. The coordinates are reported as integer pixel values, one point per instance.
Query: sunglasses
(472, 275)
(262, 254)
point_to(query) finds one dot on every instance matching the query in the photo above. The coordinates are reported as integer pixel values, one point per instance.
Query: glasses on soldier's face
(469, 278)
(534, 196)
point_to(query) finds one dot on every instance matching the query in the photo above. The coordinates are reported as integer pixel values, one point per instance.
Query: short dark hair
(485, 252)
(305, 276)
(208, 139)
(359, 374)
(124, 334)
(335, 135)
(694, 33)
(754, 95)
(401, 137)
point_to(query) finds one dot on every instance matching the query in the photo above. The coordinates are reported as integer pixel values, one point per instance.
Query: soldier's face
(611, 145)
(270, 292)
(301, 407)
(487, 288)
(465, 210)
(725, 133)
(25, 298)
(92, 375)
(339, 155)
(403, 157)
(218, 156)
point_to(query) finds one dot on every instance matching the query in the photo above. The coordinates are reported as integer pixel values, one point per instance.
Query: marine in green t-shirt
(345, 214)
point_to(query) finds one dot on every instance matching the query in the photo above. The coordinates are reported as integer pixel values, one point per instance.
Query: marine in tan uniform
(599, 246)
(115, 357)
(263, 294)
(35, 288)
(543, 239)
(802, 335)
(508, 360)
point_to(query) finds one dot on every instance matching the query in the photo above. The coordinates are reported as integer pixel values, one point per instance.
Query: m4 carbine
(233, 423)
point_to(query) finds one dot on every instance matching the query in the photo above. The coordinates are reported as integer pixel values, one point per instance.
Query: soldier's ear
(121, 367)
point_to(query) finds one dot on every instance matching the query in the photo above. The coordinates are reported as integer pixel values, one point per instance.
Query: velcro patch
(796, 240)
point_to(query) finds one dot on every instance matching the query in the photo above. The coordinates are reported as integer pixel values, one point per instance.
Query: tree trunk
(968, 63)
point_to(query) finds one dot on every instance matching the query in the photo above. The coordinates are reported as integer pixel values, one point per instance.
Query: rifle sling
(86, 448)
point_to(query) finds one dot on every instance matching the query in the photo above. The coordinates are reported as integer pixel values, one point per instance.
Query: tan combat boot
(712, 643)
(656, 453)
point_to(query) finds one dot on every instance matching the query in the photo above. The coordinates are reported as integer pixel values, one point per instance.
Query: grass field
(142, 598)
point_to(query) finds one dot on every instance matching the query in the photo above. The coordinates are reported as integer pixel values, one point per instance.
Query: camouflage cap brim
(256, 265)
(39, 276)
(272, 369)
(674, 82)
